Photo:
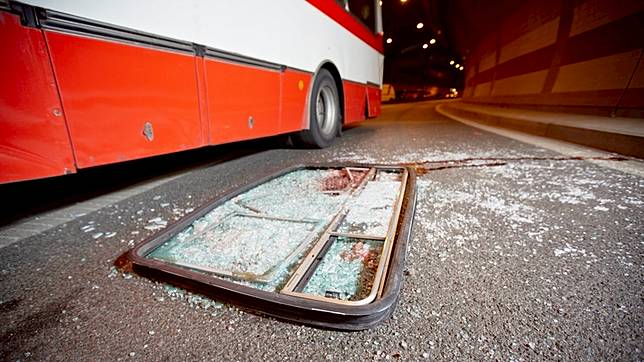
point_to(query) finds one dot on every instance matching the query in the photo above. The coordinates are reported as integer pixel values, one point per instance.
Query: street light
(425, 46)
(432, 41)
(451, 62)
(419, 25)
(389, 40)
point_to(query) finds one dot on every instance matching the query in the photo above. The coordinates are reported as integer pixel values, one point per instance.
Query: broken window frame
(310, 262)
(323, 312)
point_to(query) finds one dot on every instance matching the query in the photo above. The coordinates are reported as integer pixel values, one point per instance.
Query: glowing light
(380, 3)
(451, 62)
(425, 46)
(461, 68)
(457, 65)
(389, 40)
(403, 1)
(432, 41)
(419, 25)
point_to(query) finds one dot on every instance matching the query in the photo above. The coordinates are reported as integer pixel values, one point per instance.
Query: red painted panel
(295, 89)
(236, 93)
(111, 90)
(373, 95)
(354, 102)
(333, 10)
(33, 137)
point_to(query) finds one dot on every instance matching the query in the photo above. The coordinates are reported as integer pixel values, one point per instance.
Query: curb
(630, 145)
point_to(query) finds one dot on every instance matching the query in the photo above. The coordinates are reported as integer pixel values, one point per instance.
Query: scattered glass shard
(371, 210)
(297, 194)
(343, 179)
(387, 175)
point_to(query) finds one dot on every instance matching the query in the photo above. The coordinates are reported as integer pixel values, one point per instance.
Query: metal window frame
(320, 313)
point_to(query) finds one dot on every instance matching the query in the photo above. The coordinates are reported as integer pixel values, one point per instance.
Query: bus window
(363, 10)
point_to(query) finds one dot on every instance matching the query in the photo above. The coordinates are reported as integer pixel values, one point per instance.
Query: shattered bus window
(311, 235)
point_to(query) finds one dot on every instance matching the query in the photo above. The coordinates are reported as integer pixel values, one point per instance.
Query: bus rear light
(317, 245)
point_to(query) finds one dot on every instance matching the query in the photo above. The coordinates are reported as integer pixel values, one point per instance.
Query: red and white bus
(88, 83)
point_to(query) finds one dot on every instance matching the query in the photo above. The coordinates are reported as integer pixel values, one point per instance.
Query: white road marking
(36, 224)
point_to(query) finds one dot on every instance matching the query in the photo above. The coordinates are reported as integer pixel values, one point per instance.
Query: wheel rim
(326, 110)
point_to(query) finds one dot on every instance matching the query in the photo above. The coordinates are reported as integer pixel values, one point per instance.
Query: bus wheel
(324, 112)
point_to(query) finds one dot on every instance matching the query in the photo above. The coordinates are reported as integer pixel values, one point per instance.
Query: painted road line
(36, 224)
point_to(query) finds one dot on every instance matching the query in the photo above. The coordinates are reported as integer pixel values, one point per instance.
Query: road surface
(520, 251)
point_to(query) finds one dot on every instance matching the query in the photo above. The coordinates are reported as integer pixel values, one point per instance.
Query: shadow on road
(27, 198)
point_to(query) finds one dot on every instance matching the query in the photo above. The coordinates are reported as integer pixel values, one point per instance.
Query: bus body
(88, 83)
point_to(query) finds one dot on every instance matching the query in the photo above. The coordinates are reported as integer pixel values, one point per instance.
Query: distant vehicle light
(389, 40)
(432, 41)
(461, 68)
(425, 46)
(451, 62)
(457, 65)
(419, 25)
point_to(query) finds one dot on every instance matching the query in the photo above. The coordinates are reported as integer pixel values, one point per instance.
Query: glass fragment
(371, 210)
(347, 270)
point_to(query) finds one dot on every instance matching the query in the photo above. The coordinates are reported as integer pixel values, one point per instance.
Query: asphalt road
(518, 252)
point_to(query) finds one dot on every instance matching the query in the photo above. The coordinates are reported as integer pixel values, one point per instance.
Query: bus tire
(325, 113)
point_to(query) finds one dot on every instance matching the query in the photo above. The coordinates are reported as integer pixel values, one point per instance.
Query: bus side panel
(243, 101)
(354, 102)
(33, 137)
(125, 102)
(373, 95)
(295, 88)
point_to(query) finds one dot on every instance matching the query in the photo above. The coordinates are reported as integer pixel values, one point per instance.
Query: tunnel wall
(578, 56)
